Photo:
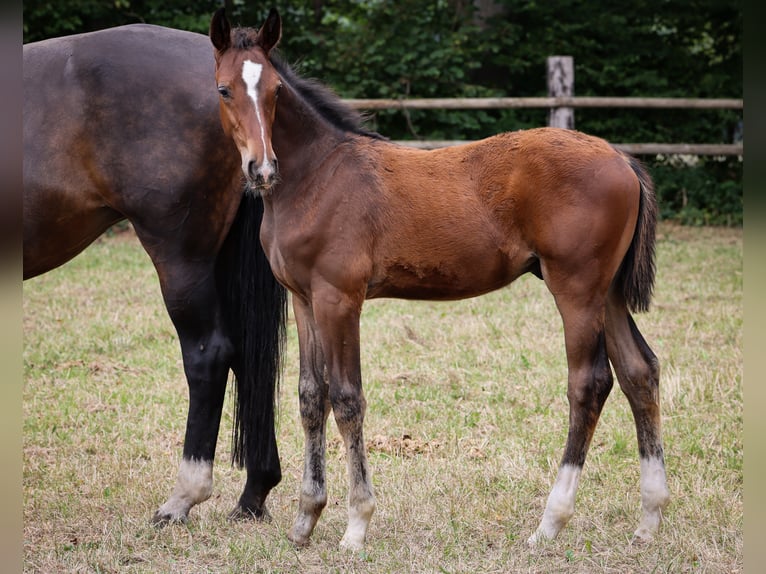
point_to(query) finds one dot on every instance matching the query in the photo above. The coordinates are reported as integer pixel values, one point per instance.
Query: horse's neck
(302, 141)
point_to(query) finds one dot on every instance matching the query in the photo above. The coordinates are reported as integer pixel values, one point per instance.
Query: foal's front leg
(337, 316)
(315, 406)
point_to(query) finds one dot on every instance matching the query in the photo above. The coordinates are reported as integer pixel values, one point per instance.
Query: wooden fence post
(561, 84)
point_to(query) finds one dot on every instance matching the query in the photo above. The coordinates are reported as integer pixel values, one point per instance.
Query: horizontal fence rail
(543, 102)
(631, 148)
(568, 102)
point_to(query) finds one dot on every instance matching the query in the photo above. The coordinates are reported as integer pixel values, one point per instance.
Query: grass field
(466, 423)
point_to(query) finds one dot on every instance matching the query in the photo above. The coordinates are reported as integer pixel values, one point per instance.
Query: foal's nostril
(275, 162)
(252, 170)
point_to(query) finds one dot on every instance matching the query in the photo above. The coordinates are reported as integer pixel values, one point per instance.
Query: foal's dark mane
(323, 100)
(318, 96)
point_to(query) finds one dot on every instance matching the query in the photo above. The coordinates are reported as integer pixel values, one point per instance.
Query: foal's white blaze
(654, 497)
(561, 503)
(193, 485)
(251, 75)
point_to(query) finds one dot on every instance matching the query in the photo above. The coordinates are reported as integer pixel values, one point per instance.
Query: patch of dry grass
(466, 423)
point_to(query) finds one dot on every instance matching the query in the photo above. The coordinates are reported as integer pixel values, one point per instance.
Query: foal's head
(248, 86)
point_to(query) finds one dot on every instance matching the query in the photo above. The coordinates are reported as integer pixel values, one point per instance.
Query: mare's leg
(191, 299)
(337, 317)
(263, 472)
(589, 384)
(638, 373)
(262, 476)
(315, 406)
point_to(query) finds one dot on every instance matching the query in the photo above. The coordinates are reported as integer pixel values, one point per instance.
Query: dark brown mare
(349, 216)
(119, 125)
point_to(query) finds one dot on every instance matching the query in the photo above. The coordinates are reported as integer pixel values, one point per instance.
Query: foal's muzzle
(262, 176)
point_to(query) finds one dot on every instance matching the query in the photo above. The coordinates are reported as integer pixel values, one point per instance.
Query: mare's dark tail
(635, 279)
(255, 305)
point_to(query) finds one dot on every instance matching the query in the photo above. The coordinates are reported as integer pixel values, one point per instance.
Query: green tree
(45, 19)
(449, 48)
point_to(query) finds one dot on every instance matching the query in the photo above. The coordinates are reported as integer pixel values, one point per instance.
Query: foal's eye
(224, 91)
(279, 88)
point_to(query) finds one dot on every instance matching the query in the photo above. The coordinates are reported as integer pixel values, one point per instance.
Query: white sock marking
(194, 485)
(654, 497)
(654, 490)
(561, 503)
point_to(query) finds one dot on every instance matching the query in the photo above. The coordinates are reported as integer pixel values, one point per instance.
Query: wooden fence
(561, 104)
(568, 102)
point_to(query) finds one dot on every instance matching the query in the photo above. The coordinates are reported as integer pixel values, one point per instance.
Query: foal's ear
(270, 32)
(220, 31)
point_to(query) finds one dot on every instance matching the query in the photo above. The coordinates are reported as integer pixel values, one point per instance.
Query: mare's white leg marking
(251, 74)
(561, 504)
(654, 497)
(194, 485)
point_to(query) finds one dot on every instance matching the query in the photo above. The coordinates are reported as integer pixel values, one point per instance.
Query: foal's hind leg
(314, 408)
(638, 373)
(590, 381)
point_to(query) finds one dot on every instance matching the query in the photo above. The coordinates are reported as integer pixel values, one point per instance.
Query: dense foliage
(449, 48)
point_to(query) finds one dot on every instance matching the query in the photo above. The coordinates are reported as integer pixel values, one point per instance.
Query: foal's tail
(255, 305)
(635, 278)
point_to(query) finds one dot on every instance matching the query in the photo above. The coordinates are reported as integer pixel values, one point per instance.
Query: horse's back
(498, 206)
(542, 166)
(114, 119)
(550, 186)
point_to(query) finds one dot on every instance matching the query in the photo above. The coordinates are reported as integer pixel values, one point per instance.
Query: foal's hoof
(642, 536)
(258, 514)
(297, 540)
(351, 545)
(162, 519)
(538, 538)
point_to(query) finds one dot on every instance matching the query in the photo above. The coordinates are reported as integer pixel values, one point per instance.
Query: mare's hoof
(259, 515)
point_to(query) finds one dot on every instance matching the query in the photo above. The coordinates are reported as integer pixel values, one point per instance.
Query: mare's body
(123, 124)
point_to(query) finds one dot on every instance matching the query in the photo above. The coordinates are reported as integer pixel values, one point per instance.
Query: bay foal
(349, 216)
